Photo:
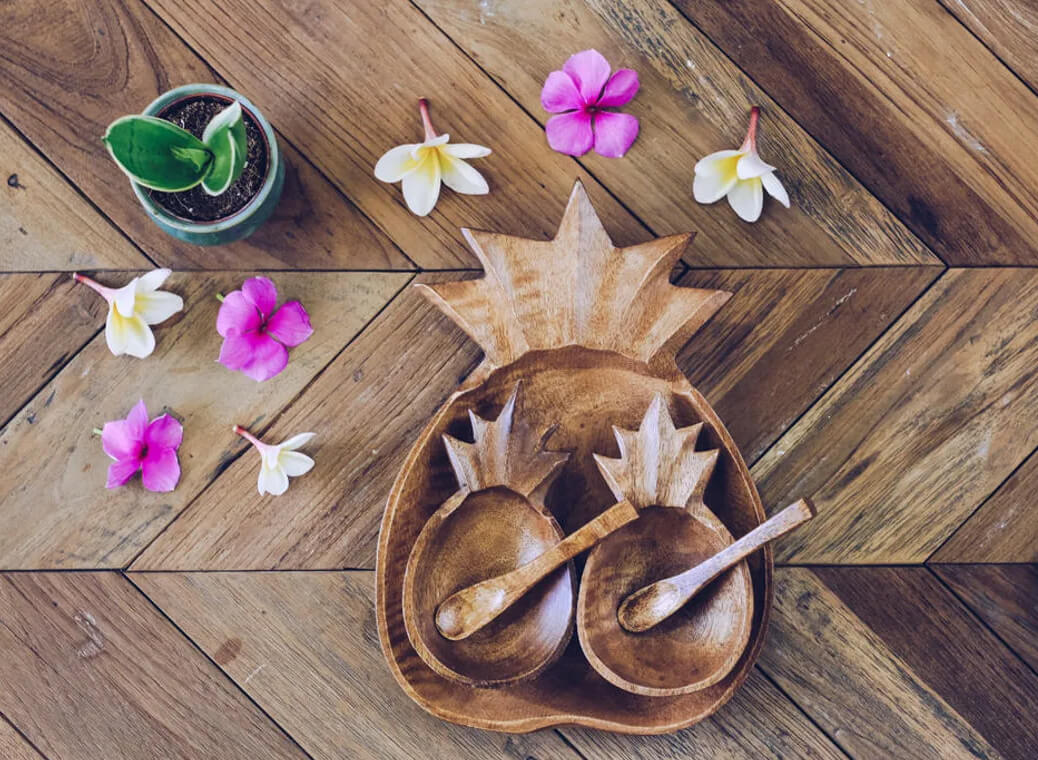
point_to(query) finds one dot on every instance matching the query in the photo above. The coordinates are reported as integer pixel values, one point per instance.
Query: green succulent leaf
(225, 152)
(158, 154)
(225, 136)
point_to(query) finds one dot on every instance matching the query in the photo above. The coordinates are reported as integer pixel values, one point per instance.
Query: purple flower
(579, 94)
(255, 331)
(135, 444)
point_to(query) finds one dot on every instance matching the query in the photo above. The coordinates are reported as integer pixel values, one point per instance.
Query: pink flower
(579, 94)
(135, 444)
(256, 332)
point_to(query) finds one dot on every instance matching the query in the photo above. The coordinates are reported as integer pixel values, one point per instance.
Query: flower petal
(128, 336)
(157, 306)
(295, 464)
(716, 163)
(710, 188)
(296, 441)
(422, 186)
(775, 189)
(125, 297)
(290, 324)
(120, 472)
(462, 178)
(466, 150)
(164, 432)
(621, 87)
(589, 70)
(751, 165)
(747, 199)
(395, 163)
(272, 480)
(570, 133)
(236, 351)
(261, 293)
(237, 314)
(119, 440)
(268, 357)
(153, 280)
(614, 133)
(160, 470)
(560, 93)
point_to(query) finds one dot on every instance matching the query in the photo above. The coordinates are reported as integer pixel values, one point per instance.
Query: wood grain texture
(1007, 27)
(91, 671)
(760, 723)
(910, 102)
(13, 746)
(314, 665)
(920, 430)
(1003, 596)
(53, 501)
(947, 648)
(345, 123)
(71, 67)
(1004, 529)
(692, 101)
(34, 306)
(854, 687)
(46, 225)
(366, 408)
(785, 336)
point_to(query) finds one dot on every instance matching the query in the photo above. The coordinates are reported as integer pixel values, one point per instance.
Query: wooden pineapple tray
(591, 332)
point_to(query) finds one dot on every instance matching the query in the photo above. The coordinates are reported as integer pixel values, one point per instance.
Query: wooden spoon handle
(656, 602)
(466, 611)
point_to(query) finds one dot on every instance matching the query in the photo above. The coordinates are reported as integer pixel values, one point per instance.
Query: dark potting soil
(195, 204)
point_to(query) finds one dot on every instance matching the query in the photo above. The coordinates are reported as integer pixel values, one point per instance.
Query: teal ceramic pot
(243, 222)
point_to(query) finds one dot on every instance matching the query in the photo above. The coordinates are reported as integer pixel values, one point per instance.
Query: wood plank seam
(980, 619)
(1027, 459)
(1000, 59)
(21, 734)
(245, 448)
(804, 712)
(213, 662)
(74, 187)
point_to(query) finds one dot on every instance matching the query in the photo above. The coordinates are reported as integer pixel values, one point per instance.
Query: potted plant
(202, 161)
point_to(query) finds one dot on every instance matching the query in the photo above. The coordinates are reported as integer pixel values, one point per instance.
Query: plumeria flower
(422, 166)
(255, 332)
(580, 93)
(278, 463)
(132, 308)
(741, 175)
(151, 447)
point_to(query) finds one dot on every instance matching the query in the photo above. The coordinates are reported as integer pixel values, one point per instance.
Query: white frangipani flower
(132, 308)
(741, 175)
(421, 167)
(278, 463)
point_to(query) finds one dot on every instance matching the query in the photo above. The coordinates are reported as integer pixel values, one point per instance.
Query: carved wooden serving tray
(591, 332)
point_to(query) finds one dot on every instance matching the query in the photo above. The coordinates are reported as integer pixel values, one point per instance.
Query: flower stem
(92, 284)
(97, 431)
(750, 143)
(423, 108)
(220, 297)
(248, 436)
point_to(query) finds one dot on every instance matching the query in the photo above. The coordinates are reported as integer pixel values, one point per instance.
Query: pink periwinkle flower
(255, 332)
(580, 93)
(151, 447)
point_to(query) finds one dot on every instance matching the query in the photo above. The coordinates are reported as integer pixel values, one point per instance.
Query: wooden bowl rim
(680, 385)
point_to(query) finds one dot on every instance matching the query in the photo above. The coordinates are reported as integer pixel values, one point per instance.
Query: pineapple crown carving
(658, 464)
(505, 452)
(576, 289)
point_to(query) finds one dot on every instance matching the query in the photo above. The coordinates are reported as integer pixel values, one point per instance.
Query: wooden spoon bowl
(472, 537)
(694, 648)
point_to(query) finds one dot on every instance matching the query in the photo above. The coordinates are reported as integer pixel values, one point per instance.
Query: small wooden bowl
(692, 649)
(472, 537)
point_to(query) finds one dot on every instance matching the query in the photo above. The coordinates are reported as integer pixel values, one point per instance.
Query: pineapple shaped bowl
(591, 331)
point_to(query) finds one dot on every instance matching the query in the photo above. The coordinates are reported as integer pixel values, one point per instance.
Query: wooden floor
(880, 352)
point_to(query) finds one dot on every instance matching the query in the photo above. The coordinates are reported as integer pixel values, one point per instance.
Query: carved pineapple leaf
(577, 289)
(658, 464)
(505, 452)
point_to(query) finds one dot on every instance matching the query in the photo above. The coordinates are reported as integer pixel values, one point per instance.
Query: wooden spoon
(656, 602)
(466, 611)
